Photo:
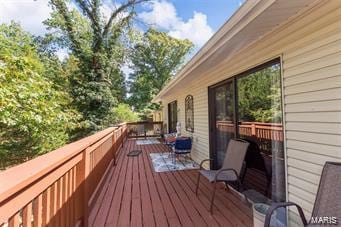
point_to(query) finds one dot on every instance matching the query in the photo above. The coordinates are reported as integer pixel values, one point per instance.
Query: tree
(97, 42)
(34, 116)
(57, 74)
(155, 58)
(123, 113)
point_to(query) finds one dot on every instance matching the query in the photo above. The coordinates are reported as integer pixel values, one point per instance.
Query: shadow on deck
(134, 195)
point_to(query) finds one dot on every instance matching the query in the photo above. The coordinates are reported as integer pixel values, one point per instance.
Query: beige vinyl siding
(312, 91)
(310, 50)
(200, 134)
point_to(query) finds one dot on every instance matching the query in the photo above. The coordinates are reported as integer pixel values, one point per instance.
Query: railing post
(113, 146)
(253, 129)
(121, 135)
(82, 180)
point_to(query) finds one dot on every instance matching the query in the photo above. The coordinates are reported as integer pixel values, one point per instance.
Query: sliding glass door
(172, 116)
(249, 106)
(222, 120)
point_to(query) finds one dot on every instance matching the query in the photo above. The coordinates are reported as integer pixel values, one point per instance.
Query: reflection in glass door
(222, 120)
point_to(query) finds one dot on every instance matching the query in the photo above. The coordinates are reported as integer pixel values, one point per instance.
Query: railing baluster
(53, 211)
(27, 215)
(113, 148)
(62, 197)
(71, 223)
(46, 207)
(62, 207)
(59, 202)
(37, 211)
(14, 221)
(83, 188)
(67, 207)
(74, 194)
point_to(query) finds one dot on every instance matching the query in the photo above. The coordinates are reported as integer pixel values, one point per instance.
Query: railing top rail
(144, 122)
(259, 123)
(246, 123)
(16, 178)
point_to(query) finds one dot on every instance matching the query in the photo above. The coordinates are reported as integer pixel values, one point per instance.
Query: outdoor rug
(163, 162)
(147, 142)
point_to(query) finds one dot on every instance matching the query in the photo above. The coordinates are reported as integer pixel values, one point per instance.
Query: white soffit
(251, 22)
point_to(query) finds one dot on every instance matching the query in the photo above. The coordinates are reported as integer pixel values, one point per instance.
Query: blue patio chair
(183, 146)
(169, 144)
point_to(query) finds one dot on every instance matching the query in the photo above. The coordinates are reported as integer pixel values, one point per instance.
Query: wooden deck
(134, 195)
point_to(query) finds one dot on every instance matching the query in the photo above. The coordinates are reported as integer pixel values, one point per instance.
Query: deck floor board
(135, 195)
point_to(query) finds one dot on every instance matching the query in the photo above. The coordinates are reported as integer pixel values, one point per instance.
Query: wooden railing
(269, 131)
(59, 188)
(144, 129)
(269, 136)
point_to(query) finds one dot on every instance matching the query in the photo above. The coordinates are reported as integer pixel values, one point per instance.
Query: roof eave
(231, 22)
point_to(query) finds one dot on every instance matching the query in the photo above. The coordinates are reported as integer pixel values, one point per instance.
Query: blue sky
(217, 11)
(196, 20)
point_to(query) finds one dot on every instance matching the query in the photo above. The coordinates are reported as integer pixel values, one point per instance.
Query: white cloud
(195, 29)
(162, 14)
(30, 14)
(106, 11)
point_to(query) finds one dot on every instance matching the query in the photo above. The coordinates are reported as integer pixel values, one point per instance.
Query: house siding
(312, 97)
(310, 50)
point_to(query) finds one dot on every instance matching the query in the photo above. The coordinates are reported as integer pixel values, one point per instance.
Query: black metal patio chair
(141, 130)
(327, 206)
(231, 168)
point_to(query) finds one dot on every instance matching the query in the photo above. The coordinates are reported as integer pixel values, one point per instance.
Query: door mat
(134, 153)
(147, 142)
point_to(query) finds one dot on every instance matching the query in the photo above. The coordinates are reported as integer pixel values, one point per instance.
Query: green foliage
(34, 113)
(259, 96)
(98, 44)
(123, 113)
(155, 58)
(45, 102)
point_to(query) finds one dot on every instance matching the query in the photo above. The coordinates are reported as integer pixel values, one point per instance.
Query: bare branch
(91, 10)
(63, 10)
(85, 7)
(106, 81)
(122, 8)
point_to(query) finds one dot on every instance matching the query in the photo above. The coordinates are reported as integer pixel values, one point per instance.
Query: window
(189, 113)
